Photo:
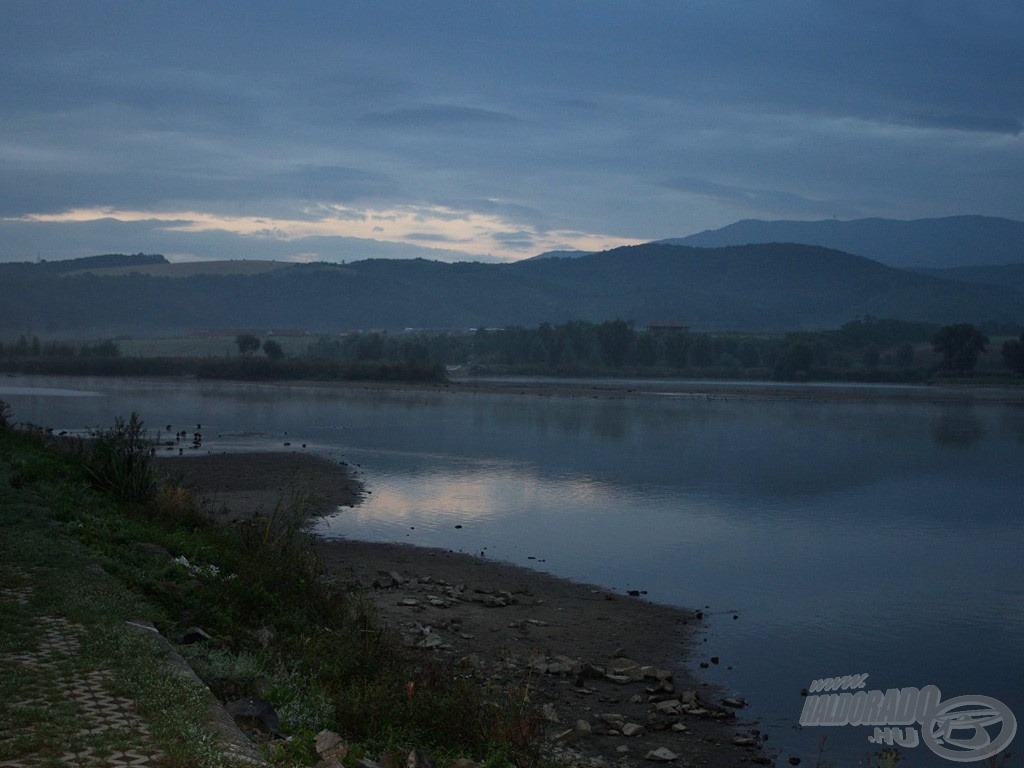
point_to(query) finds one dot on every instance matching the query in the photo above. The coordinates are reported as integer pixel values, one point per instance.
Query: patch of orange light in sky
(475, 234)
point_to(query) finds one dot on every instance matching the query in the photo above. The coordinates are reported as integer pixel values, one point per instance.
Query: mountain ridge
(946, 242)
(766, 287)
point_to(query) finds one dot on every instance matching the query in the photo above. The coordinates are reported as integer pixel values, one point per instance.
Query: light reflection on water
(847, 537)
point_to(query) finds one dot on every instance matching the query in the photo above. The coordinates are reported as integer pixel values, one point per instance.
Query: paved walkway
(97, 710)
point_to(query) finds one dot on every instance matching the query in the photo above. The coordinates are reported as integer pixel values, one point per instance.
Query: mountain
(560, 255)
(1011, 275)
(955, 241)
(22, 270)
(769, 287)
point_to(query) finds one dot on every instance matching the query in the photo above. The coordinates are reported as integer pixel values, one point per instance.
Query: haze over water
(845, 537)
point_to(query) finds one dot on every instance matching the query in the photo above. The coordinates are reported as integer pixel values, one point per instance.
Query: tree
(959, 346)
(1013, 354)
(247, 343)
(905, 354)
(273, 350)
(795, 362)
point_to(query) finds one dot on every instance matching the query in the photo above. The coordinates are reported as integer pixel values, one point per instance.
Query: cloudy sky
(493, 130)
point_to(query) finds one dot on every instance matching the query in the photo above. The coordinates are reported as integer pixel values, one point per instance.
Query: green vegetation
(765, 288)
(282, 629)
(867, 349)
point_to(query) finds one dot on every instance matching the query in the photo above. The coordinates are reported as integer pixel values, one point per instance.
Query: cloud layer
(495, 131)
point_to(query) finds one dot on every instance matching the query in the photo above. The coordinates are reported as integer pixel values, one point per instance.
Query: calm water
(844, 537)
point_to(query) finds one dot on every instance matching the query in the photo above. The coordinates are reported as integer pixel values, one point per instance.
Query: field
(190, 268)
(213, 345)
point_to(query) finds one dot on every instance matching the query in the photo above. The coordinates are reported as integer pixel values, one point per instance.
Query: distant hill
(18, 270)
(1010, 275)
(772, 287)
(955, 241)
(186, 269)
(560, 255)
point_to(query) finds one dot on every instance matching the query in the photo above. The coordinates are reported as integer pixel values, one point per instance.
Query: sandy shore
(561, 640)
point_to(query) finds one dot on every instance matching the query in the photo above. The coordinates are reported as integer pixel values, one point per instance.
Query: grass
(57, 577)
(282, 629)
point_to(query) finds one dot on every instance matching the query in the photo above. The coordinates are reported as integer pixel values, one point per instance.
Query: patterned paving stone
(99, 710)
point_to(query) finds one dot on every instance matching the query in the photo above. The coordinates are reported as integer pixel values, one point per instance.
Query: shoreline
(612, 388)
(562, 641)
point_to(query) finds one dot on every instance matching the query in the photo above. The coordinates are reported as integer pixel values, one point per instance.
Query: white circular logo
(969, 728)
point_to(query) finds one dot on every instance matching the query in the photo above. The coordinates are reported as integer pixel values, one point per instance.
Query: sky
(493, 131)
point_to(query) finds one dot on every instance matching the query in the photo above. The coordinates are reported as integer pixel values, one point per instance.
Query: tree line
(865, 349)
(868, 348)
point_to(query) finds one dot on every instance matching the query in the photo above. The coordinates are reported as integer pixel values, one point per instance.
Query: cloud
(504, 128)
(438, 115)
(466, 233)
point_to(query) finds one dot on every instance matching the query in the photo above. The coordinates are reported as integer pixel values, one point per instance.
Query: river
(821, 536)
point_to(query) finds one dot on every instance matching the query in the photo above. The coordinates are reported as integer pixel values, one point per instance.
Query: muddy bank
(610, 673)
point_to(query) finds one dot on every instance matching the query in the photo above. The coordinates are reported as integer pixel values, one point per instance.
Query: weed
(119, 462)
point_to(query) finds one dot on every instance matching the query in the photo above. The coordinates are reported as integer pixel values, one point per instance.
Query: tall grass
(119, 460)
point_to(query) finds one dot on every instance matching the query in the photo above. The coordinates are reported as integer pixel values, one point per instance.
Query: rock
(265, 635)
(581, 730)
(330, 747)
(549, 713)
(619, 679)
(418, 759)
(430, 641)
(254, 713)
(661, 755)
(744, 741)
(632, 729)
(195, 635)
(613, 719)
(625, 666)
(670, 707)
(735, 703)
(622, 749)
(562, 665)
(679, 728)
(409, 602)
(152, 549)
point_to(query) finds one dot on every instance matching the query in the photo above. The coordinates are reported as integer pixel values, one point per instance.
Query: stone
(561, 665)
(625, 666)
(430, 641)
(670, 707)
(195, 635)
(619, 679)
(409, 602)
(613, 719)
(744, 741)
(330, 747)
(418, 759)
(549, 713)
(735, 703)
(632, 729)
(661, 755)
(254, 712)
(679, 728)
(581, 730)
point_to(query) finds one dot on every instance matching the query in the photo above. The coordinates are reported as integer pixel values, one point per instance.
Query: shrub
(119, 461)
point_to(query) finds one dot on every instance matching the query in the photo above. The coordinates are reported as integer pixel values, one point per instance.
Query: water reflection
(847, 537)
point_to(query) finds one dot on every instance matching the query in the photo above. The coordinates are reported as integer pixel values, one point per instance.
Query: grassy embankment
(281, 629)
